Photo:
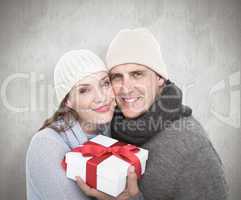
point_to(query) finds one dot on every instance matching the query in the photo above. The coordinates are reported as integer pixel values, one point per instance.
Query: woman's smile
(103, 109)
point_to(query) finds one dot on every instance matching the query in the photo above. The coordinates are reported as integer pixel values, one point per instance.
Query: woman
(86, 103)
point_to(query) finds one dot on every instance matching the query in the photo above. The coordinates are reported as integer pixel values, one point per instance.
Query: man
(182, 163)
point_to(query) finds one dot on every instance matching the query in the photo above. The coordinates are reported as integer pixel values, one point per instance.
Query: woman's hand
(131, 190)
(91, 191)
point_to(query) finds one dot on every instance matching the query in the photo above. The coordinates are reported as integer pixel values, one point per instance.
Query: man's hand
(132, 188)
(132, 185)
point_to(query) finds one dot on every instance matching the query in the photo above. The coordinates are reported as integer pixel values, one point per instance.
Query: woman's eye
(83, 90)
(106, 83)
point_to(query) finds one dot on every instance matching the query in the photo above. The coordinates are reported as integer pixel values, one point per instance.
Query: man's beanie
(72, 67)
(136, 46)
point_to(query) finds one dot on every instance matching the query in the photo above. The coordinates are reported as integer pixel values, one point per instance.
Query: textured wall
(200, 40)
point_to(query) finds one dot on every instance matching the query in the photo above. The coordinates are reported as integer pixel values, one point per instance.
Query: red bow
(99, 153)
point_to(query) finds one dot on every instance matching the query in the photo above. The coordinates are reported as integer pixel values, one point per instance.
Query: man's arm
(202, 177)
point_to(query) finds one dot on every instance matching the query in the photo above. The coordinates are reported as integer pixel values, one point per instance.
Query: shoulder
(189, 130)
(183, 137)
(46, 134)
(46, 140)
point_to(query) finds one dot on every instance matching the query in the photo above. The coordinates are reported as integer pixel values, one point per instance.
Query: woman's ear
(68, 103)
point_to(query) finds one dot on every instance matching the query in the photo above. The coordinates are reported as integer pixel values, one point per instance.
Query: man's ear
(160, 81)
(68, 103)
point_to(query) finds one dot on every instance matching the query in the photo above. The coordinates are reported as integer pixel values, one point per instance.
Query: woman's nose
(100, 96)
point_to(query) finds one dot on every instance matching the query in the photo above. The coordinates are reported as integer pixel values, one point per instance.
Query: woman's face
(93, 99)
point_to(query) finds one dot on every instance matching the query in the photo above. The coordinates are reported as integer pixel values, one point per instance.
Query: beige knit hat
(136, 46)
(72, 67)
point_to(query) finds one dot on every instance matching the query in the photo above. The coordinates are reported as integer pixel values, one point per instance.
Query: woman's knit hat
(72, 67)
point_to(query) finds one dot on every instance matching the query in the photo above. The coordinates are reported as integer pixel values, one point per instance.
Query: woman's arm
(45, 176)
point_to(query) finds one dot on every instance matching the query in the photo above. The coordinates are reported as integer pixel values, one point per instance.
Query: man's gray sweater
(182, 165)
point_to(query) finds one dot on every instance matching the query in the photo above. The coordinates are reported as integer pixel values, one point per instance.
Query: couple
(129, 98)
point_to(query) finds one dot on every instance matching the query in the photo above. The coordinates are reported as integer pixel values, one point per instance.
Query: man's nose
(127, 85)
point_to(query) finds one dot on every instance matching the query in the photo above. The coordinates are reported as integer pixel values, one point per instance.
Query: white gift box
(111, 172)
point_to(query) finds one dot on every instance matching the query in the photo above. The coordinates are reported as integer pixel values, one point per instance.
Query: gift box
(103, 163)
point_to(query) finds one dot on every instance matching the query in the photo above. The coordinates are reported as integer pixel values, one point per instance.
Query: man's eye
(115, 77)
(137, 74)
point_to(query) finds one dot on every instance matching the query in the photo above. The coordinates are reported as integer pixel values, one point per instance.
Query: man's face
(135, 87)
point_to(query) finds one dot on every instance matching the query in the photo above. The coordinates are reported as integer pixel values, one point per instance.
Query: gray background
(200, 40)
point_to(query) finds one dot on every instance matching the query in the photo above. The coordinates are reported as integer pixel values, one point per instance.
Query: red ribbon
(100, 153)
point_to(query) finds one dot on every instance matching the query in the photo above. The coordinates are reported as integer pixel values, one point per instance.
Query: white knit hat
(72, 67)
(136, 46)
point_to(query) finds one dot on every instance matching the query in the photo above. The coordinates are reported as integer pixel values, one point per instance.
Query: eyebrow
(134, 71)
(82, 85)
(104, 77)
(138, 70)
(113, 73)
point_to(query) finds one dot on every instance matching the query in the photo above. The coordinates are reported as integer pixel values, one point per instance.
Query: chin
(134, 110)
(104, 119)
(131, 114)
